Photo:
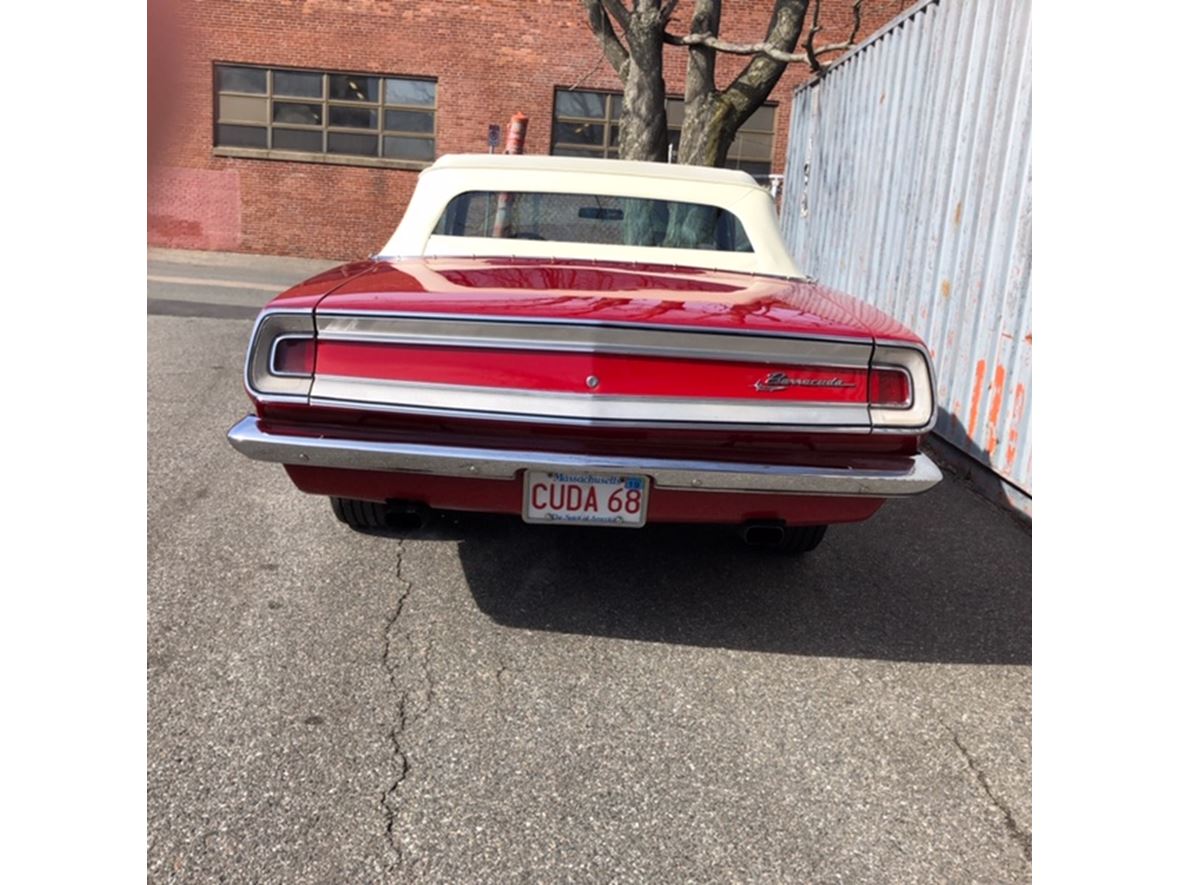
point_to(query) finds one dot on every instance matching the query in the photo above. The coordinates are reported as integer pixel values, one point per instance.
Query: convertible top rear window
(592, 218)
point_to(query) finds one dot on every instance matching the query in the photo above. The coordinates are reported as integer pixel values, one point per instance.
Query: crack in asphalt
(407, 665)
(1015, 831)
(501, 672)
(389, 799)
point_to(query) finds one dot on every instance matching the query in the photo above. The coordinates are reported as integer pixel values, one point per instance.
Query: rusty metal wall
(908, 183)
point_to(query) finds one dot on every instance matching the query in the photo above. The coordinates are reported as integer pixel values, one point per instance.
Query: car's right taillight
(901, 389)
(890, 388)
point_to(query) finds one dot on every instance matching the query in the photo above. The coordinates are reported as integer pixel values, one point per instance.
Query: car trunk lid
(586, 343)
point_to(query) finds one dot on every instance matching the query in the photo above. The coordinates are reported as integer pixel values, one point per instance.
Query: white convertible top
(727, 189)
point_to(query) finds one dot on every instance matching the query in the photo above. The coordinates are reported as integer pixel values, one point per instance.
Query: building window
(586, 124)
(324, 117)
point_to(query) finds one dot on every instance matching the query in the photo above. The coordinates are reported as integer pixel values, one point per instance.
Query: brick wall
(491, 58)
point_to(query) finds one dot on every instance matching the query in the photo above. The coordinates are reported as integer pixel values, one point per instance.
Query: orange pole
(514, 144)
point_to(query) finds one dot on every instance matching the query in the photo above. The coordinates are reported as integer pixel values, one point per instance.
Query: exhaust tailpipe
(764, 534)
(406, 515)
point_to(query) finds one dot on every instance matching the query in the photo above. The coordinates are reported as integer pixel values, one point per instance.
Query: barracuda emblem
(781, 381)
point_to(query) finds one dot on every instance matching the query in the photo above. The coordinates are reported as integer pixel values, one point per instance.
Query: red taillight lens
(294, 356)
(889, 387)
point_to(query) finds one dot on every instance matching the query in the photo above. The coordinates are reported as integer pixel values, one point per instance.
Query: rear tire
(801, 539)
(359, 515)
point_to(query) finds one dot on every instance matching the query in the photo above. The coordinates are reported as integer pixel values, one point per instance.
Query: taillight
(293, 356)
(890, 387)
(281, 358)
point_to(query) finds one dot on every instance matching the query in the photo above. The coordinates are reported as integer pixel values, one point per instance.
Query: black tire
(801, 539)
(359, 515)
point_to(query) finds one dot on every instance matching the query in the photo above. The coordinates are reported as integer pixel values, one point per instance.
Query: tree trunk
(643, 131)
(710, 125)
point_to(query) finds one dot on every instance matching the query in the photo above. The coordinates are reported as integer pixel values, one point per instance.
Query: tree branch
(752, 86)
(619, 11)
(769, 48)
(766, 49)
(809, 43)
(600, 24)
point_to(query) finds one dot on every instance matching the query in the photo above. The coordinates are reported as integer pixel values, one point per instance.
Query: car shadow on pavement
(944, 577)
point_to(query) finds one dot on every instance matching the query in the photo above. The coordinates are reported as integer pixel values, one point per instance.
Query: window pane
(579, 133)
(416, 92)
(752, 146)
(599, 219)
(616, 107)
(409, 148)
(298, 140)
(231, 79)
(305, 114)
(675, 110)
(241, 136)
(409, 121)
(239, 108)
(614, 136)
(351, 87)
(576, 152)
(762, 119)
(357, 118)
(581, 104)
(347, 143)
(304, 84)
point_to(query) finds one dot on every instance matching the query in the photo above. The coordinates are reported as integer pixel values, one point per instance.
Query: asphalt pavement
(489, 701)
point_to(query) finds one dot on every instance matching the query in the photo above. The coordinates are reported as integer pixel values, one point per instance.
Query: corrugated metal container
(908, 183)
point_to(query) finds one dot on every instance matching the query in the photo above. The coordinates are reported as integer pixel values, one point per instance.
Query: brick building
(297, 127)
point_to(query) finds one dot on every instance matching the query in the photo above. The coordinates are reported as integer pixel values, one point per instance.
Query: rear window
(593, 218)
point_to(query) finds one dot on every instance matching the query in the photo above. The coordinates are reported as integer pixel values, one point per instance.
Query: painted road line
(169, 308)
(227, 284)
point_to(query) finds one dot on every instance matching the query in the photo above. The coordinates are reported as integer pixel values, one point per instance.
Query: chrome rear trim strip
(593, 338)
(339, 391)
(918, 474)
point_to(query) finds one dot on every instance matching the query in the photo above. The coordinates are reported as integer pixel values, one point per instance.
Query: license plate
(585, 498)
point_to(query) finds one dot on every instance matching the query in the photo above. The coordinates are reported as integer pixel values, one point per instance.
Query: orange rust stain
(993, 414)
(1013, 433)
(958, 213)
(972, 420)
(1018, 404)
(945, 289)
(1028, 338)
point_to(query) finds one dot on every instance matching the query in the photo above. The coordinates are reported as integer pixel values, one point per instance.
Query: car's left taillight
(281, 358)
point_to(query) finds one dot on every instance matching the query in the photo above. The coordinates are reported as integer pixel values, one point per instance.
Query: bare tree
(632, 38)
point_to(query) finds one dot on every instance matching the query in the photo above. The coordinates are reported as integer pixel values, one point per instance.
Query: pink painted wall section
(194, 208)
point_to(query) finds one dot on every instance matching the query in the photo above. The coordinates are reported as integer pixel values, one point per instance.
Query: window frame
(325, 127)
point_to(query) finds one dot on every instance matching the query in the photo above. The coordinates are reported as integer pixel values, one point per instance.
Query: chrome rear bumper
(918, 475)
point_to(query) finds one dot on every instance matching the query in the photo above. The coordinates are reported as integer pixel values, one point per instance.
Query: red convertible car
(590, 342)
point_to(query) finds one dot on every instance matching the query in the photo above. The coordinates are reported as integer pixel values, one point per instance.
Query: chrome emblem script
(781, 381)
